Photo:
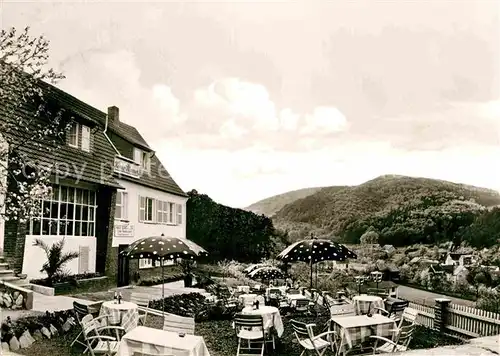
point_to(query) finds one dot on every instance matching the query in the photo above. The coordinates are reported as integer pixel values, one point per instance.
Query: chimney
(113, 114)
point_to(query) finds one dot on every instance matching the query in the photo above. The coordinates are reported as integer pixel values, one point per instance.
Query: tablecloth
(244, 289)
(365, 303)
(354, 330)
(247, 299)
(125, 314)
(292, 298)
(160, 342)
(270, 316)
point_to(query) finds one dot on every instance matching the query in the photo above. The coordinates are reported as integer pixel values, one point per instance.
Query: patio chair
(301, 305)
(80, 310)
(399, 343)
(309, 342)
(142, 300)
(96, 343)
(177, 323)
(396, 310)
(342, 309)
(250, 328)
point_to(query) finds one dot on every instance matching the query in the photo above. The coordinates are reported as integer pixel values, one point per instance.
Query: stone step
(11, 279)
(4, 266)
(6, 272)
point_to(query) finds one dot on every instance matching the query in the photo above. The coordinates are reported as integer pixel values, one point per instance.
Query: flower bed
(197, 306)
(158, 280)
(68, 284)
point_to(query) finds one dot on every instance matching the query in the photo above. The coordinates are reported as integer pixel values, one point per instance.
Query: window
(73, 136)
(178, 220)
(121, 211)
(171, 212)
(142, 158)
(145, 263)
(162, 212)
(79, 137)
(146, 209)
(69, 212)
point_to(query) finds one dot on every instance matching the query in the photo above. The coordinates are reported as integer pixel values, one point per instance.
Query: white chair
(177, 323)
(309, 342)
(98, 344)
(142, 300)
(250, 328)
(402, 335)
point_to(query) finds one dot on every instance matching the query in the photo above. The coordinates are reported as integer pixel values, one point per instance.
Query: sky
(244, 100)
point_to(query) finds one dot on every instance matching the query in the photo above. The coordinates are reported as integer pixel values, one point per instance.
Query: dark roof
(128, 133)
(91, 166)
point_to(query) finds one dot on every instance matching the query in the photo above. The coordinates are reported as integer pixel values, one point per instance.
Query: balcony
(127, 167)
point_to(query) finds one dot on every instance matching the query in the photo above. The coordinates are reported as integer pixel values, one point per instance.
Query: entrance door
(123, 268)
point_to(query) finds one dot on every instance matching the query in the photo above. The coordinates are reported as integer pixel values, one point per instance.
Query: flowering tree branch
(30, 128)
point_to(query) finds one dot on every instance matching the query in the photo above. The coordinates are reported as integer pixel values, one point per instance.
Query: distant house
(460, 259)
(460, 274)
(388, 248)
(391, 273)
(440, 269)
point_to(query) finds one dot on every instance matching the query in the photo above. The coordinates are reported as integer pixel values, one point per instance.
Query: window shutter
(137, 156)
(83, 259)
(142, 208)
(124, 205)
(85, 138)
(179, 214)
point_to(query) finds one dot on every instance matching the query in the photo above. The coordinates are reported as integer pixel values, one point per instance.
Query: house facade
(83, 190)
(108, 189)
(150, 203)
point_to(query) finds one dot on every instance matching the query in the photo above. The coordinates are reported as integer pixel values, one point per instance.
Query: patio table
(367, 303)
(243, 289)
(248, 299)
(125, 314)
(271, 317)
(354, 330)
(159, 342)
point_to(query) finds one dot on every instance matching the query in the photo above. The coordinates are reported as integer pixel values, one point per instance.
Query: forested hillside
(403, 210)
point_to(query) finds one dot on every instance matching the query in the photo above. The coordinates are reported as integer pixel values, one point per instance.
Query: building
(104, 175)
(151, 203)
(82, 196)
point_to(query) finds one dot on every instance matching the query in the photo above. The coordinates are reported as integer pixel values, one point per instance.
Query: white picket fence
(462, 321)
(472, 322)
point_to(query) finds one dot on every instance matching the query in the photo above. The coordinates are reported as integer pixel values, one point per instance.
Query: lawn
(221, 341)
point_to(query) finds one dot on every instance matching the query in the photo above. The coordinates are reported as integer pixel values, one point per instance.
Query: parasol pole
(162, 288)
(311, 266)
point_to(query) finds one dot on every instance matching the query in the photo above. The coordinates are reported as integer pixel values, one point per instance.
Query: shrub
(56, 259)
(73, 279)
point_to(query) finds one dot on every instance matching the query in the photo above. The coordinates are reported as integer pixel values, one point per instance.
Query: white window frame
(122, 207)
(138, 156)
(143, 209)
(55, 216)
(74, 126)
(171, 213)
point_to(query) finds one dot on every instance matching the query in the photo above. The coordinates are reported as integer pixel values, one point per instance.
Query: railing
(425, 314)
(457, 320)
(472, 322)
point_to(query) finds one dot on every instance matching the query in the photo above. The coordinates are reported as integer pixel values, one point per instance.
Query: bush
(73, 279)
(158, 280)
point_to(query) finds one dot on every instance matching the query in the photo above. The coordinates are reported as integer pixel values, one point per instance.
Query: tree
(56, 259)
(370, 237)
(28, 122)
(479, 276)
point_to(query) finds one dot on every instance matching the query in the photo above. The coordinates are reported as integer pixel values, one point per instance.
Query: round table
(292, 298)
(125, 314)
(365, 303)
(270, 316)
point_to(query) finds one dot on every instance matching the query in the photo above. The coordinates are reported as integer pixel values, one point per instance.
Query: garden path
(484, 346)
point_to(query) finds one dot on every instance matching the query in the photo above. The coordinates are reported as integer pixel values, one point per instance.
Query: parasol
(253, 267)
(161, 248)
(315, 250)
(266, 273)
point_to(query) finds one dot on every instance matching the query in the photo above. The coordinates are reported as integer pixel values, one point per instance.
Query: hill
(401, 209)
(271, 205)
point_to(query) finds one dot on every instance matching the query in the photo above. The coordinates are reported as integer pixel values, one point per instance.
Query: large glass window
(69, 212)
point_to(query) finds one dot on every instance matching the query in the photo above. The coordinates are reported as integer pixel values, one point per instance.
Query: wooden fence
(458, 320)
